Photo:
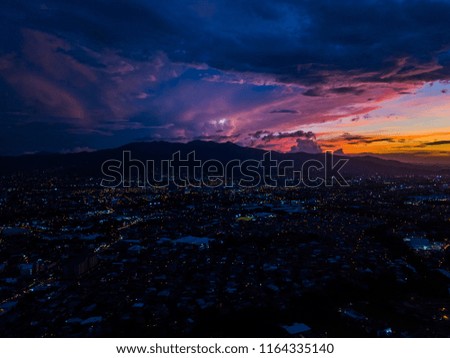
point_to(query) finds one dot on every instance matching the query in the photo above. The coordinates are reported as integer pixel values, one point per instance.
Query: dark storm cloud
(297, 41)
(208, 69)
(104, 23)
(405, 40)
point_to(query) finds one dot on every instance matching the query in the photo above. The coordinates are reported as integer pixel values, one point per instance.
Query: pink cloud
(105, 91)
(306, 146)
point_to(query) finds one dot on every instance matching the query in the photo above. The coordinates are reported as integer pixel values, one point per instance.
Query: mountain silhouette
(89, 163)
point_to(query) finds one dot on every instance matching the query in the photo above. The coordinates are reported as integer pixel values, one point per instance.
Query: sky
(356, 77)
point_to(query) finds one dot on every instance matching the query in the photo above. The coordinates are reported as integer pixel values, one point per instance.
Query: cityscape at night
(224, 169)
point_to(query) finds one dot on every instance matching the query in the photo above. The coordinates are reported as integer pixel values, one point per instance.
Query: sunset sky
(357, 76)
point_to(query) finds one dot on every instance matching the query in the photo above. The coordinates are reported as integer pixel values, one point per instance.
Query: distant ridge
(89, 163)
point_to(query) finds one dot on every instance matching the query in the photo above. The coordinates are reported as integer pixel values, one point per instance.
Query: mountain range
(89, 163)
